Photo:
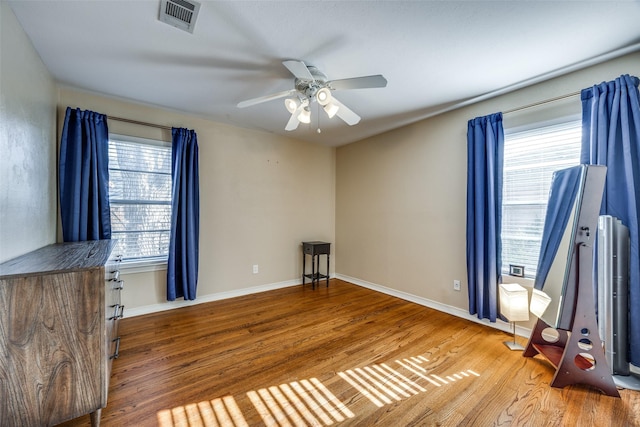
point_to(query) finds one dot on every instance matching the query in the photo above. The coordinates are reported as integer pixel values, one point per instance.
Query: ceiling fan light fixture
(323, 96)
(311, 85)
(291, 104)
(331, 109)
(305, 115)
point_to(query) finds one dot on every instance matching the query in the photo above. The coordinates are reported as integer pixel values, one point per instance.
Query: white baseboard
(449, 309)
(454, 311)
(170, 305)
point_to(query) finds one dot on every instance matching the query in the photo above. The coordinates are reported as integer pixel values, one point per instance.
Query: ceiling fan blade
(358, 82)
(293, 122)
(346, 114)
(259, 100)
(298, 69)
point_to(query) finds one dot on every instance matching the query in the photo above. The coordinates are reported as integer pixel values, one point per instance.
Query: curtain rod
(136, 122)
(546, 101)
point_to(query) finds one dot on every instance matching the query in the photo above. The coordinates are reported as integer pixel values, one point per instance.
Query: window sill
(129, 267)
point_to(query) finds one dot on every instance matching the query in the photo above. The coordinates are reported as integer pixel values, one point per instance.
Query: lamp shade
(292, 104)
(305, 115)
(539, 302)
(323, 96)
(514, 302)
(331, 109)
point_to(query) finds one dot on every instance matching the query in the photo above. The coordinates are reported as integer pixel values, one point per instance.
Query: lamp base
(513, 345)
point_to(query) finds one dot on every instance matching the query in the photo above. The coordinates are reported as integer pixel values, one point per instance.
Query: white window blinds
(140, 197)
(530, 158)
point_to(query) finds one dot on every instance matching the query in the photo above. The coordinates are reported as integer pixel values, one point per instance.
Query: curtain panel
(485, 158)
(611, 137)
(182, 266)
(84, 176)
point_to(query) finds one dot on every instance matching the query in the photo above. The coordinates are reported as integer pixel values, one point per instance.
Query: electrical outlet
(456, 285)
(256, 270)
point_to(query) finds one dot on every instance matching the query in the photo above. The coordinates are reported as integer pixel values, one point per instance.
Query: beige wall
(27, 144)
(260, 196)
(401, 196)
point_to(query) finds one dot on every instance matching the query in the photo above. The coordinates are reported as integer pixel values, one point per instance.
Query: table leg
(313, 271)
(304, 257)
(327, 270)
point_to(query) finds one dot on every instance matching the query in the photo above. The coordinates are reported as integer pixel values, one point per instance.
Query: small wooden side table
(315, 249)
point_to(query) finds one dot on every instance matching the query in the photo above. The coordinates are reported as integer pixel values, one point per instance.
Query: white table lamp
(514, 305)
(539, 302)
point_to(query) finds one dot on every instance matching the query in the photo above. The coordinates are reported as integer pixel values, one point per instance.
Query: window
(530, 158)
(140, 197)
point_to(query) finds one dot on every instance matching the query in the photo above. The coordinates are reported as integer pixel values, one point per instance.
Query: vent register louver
(179, 13)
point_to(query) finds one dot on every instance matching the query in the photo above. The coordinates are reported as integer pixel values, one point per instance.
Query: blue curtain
(611, 137)
(84, 176)
(485, 158)
(182, 268)
(562, 197)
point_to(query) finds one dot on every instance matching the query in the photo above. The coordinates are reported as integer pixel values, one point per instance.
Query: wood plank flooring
(342, 355)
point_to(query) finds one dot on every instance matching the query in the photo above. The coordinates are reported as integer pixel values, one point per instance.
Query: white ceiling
(433, 53)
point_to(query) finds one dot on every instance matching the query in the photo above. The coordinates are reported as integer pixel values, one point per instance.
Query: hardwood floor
(342, 355)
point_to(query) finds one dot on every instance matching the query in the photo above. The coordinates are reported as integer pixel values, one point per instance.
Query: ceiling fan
(311, 85)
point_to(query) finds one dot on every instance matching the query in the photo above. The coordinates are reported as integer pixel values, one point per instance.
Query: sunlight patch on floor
(383, 385)
(303, 403)
(222, 412)
(309, 403)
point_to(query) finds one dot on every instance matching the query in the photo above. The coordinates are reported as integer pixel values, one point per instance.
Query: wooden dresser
(59, 311)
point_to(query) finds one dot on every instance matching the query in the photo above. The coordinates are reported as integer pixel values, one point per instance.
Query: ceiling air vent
(179, 13)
